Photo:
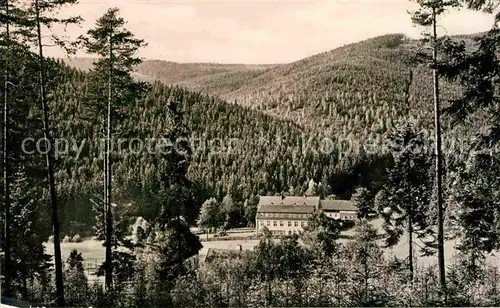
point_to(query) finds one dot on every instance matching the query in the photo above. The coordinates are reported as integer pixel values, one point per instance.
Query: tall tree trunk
(410, 244)
(269, 293)
(409, 202)
(366, 276)
(109, 218)
(105, 177)
(50, 165)
(6, 187)
(440, 235)
(407, 92)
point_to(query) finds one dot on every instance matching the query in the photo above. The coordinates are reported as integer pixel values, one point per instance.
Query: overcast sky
(258, 31)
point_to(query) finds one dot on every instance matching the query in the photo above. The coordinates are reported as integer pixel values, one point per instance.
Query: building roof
(297, 204)
(337, 205)
(288, 200)
(301, 209)
(288, 204)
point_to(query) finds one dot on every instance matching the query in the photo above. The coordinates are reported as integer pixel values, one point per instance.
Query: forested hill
(354, 93)
(357, 88)
(206, 78)
(353, 96)
(237, 151)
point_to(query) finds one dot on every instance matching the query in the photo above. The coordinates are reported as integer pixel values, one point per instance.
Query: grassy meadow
(93, 251)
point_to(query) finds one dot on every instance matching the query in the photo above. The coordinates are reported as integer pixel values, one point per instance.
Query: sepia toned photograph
(250, 153)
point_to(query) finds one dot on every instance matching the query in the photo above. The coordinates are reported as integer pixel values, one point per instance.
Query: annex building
(286, 215)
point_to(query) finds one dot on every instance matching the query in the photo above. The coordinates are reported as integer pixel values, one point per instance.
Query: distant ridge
(329, 87)
(239, 81)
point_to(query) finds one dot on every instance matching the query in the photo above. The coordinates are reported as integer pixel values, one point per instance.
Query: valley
(365, 175)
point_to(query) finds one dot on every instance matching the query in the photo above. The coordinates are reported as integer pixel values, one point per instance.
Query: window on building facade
(268, 223)
(302, 224)
(281, 223)
(261, 223)
(275, 223)
(289, 223)
(296, 224)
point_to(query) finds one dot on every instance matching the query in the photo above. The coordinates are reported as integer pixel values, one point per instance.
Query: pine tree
(250, 207)
(175, 246)
(476, 71)
(427, 16)
(76, 280)
(475, 176)
(5, 164)
(111, 78)
(312, 188)
(10, 47)
(28, 253)
(177, 195)
(408, 190)
(321, 234)
(228, 209)
(24, 171)
(175, 157)
(210, 214)
(364, 256)
(475, 192)
(363, 201)
(266, 262)
(24, 27)
(40, 15)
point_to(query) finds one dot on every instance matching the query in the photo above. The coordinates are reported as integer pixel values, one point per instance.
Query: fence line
(91, 266)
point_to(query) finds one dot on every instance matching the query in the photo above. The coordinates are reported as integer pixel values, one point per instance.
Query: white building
(285, 215)
(289, 215)
(339, 209)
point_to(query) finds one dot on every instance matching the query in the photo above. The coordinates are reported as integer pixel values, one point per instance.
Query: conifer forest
(134, 182)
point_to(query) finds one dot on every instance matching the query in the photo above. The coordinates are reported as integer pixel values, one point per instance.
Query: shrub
(140, 230)
(76, 239)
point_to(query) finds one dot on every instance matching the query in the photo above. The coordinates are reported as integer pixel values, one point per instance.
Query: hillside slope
(324, 118)
(354, 92)
(236, 151)
(206, 78)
